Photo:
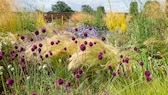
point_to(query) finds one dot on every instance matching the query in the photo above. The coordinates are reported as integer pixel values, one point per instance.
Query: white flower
(12, 69)
(59, 60)
(1, 73)
(9, 66)
(1, 68)
(28, 78)
(44, 66)
(39, 67)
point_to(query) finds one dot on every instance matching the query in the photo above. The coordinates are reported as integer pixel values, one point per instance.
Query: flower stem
(3, 84)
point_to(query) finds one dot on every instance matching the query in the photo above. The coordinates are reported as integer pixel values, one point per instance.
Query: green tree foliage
(101, 9)
(61, 6)
(133, 8)
(87, 9)
(99, 17)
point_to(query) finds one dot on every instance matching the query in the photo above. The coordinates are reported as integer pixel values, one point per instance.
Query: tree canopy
(61, 6)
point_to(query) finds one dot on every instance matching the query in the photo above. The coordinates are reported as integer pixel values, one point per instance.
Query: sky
(117, 5)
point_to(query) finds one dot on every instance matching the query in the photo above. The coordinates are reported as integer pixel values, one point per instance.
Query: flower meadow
(128, 57)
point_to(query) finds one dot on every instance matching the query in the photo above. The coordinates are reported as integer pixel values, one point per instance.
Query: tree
(61, 6)
(101, 9)
(133, 9)
(87, 8)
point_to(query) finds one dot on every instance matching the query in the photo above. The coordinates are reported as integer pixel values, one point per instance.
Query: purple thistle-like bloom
(114, 74)
(109, 67)
(21, 49)
(43, 30)
(73, 38)
(2, 52)
(85, 42)
(58, 41)
(52, 42)
(1, 57)
(100, 53)
(76, 41)
(77, 76)
(12, 52)
(16, 47)
(94, 42)
(22, 60)
(121, 56)
(70, 55)
(85, 34)
(79, 70)
(36, 32)
(82, 47)
(34, 47)
(31, 39)
(141, 63)
(65, 48)
(103, 38)
(9, 81)
(39, 50)
(60, 81)
(135, 48)
(68, 84)
(46, 55)
(23, 67)
(34, 94)
(22, 37)
(148, 79)
(90, 44)
(90, 28)
(126, 60)
(50, 52)
(76, 29)
(118, 71)
(100, 57)
(147, 73)
(15, 55)
(40, 44)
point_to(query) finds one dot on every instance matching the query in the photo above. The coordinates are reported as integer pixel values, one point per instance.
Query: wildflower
(46, 55)
(43, 30)
(58, 41)
(1, 57)
(85, 34)
(94, 42)
(147, 73)
(104, 51)
(50, 52)
(60, 81)
(23, 67)
(22, 60)
(40, 44)
(103, 38)
(21, 49)
(90, 28)
(82, 47)
(100, 57)
(65, 48)
(121, 56)
(34, 94)
(34, 47)
(2, 53)
(114, 74)
(22, 37)
(141, 63)
(70, 55)
(12, 52)
(85, 42)
(36, 32)
(73, 38)
(79, 70)
(68, 84)
(16, 47)
(76, 29)
(31, 39)
(148, 79)
(126, 60)
(15, 55)
(135, 48)
(52, 42)
(109, 67)
(9, 81)
(100, 53)
(90, 44)
(77, 76)
(76, 41)
(118, 71)
(39, 50)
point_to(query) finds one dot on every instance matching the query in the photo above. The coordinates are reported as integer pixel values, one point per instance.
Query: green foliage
(101, 9)
(133, 9)
(61, 6)
(87, 9)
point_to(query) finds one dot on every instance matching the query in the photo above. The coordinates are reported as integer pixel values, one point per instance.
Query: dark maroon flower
(68, 84)
(50, 52)
(15, 55)
(41, 56)
(39, 50)
(70, 55)
(85, 42)
(148, 79)
(118, 71)
(40, 44)
(1, 57)
(21, 49)
(147, 73)
(114, 74)
(109, 67)
(46, 55)
(9, 81)
(103, 38)
(104, 51)
(34, 47)
(52, 42)
(76, 41)
(121, 56)
(82, 47)
(77, 76)
(135, 48)
(79, 70)
(76, 29)
(126, 60)
(16, 47)
(2, 52)
(141, 63)
(85, 34)
(31, 39)
(43, 30)
(36, 32)
(12, 52)
(60, 81)
(73, 38)
(65, 48)
(58, 41)
(23, 67)
(94, 42)
(22, 37)
(34, 94)
(90, 28)
(100, 53)
(90, 44)
(100, 57)
(22, 60)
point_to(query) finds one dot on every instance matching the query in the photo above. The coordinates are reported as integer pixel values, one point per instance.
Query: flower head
(60, 81)
(100, 57)
(82, 47)
(147, 73)
(90, 44)
(22, 37)
(52, 42)
(85, 42)
(36, 32)
(73, 38)
(103, 38)
(141, 63)
(43, 30)
(34, 94)
(79, 70)
(109, 67)
(40, 44)
(9, 81)
(114, 74)
(85, 34)
(148, 79)
(135, 48)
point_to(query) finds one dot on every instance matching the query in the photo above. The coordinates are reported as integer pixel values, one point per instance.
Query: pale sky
(117, 5)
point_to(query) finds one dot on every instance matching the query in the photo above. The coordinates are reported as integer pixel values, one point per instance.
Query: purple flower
(1, 57)
(135, 48)
(85, 42)
(77, 76)
(109, 67)
(141, 63)
(9, 81)
(100, 53)
(34, 47)
(79, 70)
(118, 71)
(90, 28)
(40, 44)
(50, 52)
(36, 32)
(22, 60)
(69, 84)
(52, 42)
(148, 79)
(2, 52)
(121, 56)
(114, 74)
(126, 60)
(103, 38)
(34, 94)
(43, 30)
(31, 39)
(147, 73)
(16, 47)
(90, 44)
(100, 57)
(21, 49)
(15, 55)
(82, 47)
(65, 48)
(70, 55)
(12, 52)
(60, 81)
(104, 51)
(76, 41)
(94, 42)
(22, 37)
(85, 34)
(76, 29)
(23, 67)
(46, 55)
(73, 38)
(39, 50)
